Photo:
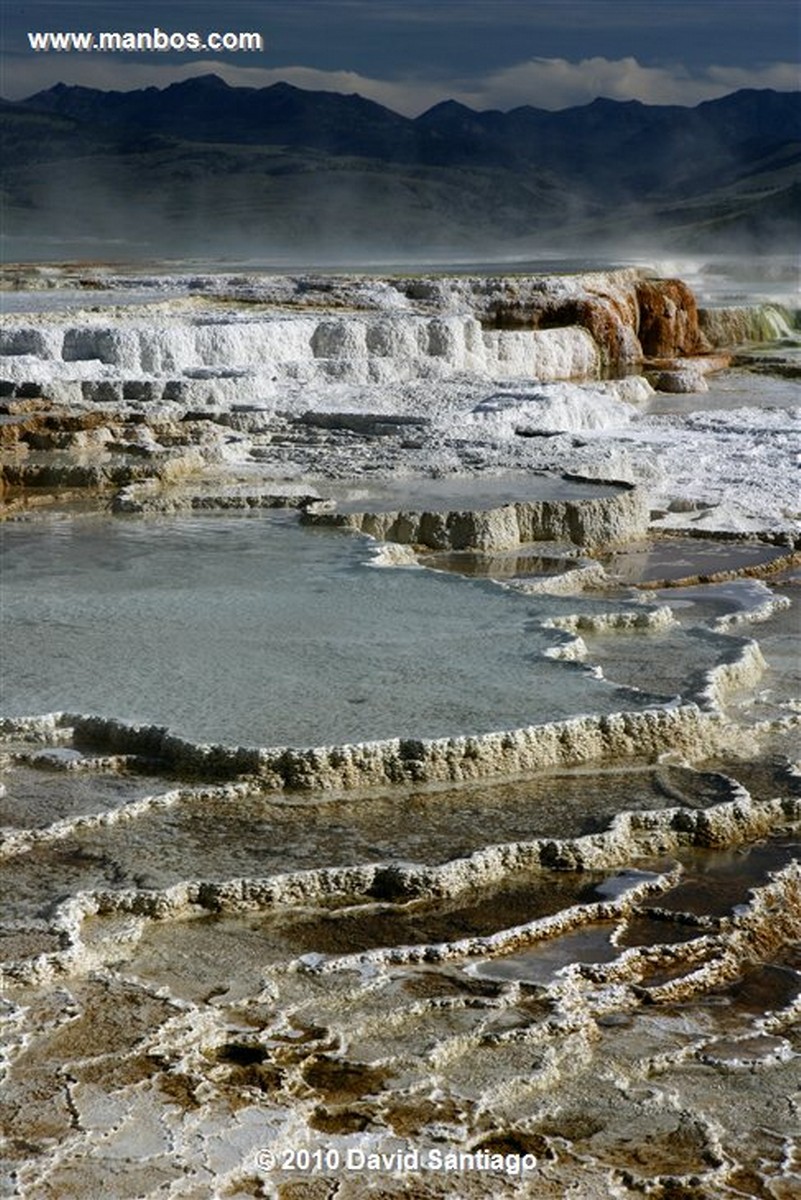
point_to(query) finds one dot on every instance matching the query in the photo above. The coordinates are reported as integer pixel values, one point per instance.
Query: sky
(411, 54)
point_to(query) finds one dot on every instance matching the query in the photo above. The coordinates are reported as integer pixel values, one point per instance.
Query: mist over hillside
(204, 168)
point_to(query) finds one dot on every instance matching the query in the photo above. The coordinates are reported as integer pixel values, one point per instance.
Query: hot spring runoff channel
(253, 630)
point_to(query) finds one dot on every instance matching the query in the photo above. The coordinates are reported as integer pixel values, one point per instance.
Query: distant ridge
(723, 169)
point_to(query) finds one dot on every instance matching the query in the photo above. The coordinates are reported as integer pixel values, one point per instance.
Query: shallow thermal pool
(254, 630)
(444, 495)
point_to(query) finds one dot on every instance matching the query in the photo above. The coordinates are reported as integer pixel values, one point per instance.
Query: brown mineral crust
(342, 1081)
(12, 433)
(668, 325)
(610, 321)
(23, 405)
(661, 313)
(340, 1119)
(45, 430)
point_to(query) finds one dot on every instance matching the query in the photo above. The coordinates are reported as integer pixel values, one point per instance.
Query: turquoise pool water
(254, 630)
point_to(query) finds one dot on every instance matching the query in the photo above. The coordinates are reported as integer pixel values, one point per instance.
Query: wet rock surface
(592, 524)
(553, 1002)
(668, 319)
(214, 379)
(583, 973)
(556, 958)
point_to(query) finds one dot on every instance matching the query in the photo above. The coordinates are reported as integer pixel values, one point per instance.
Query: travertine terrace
(552, 955)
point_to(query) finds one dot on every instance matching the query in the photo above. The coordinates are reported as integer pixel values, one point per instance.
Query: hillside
(201, 167)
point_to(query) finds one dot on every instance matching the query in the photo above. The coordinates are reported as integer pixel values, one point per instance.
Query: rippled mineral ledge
(559, 958)
(593, 523)
(237, 382)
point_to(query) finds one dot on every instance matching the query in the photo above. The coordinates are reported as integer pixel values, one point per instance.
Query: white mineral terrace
(399, 745)
(457, 374)
(352, 349)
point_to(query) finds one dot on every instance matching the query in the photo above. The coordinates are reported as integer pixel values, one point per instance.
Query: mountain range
(202, 167)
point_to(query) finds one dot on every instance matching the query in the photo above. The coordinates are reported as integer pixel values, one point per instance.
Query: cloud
(550, 83)
(22, 77)
(558, 83)
(784, 77)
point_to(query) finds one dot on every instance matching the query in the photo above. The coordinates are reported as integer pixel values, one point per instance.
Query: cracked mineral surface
(400, 783)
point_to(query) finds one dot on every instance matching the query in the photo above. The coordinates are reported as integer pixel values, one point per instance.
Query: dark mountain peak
(744, 95)
(604, 103)
(282, 88)
(68, 96)
(288, 91)
(750, 98)
(445, 108)
(621, 146)
(202, 83)
(347, 109)
(731, 163)
(528, 110)
(59, 93)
